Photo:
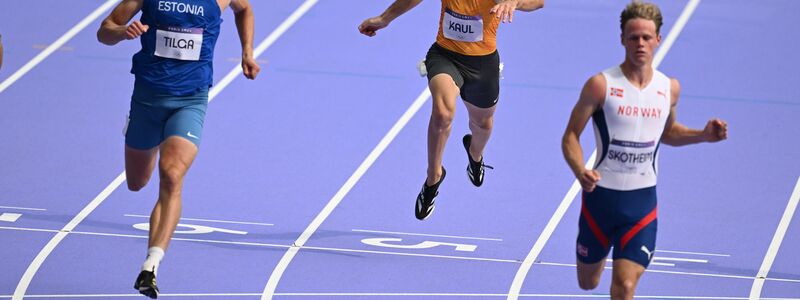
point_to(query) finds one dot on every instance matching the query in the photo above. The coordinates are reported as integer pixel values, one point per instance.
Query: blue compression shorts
(156, 116)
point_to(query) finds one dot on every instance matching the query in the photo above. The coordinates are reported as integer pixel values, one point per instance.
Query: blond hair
(639, 9)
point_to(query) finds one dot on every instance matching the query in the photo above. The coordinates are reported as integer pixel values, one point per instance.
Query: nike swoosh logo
(189, 133)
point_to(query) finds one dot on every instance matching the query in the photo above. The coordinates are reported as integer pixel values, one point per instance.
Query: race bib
(179, 43)
(463, 28)
(630, 157)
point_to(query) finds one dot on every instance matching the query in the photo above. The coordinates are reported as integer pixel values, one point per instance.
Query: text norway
(634, 158)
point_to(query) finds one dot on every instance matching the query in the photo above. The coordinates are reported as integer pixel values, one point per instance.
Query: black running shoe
(426, 198)
(475, 169)
(146, 284)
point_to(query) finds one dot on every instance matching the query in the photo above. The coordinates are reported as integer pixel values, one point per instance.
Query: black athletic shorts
(478, 77)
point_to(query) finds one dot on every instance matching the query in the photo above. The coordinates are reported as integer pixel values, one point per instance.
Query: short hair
(639, 9)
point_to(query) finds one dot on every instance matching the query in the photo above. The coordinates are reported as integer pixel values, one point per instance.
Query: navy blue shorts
(156, 116)
(625, 220)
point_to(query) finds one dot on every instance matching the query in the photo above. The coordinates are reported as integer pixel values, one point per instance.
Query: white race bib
(179, 43)
(463, 28)
(630, 157)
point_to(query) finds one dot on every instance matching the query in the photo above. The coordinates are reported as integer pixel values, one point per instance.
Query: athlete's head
(641, 26)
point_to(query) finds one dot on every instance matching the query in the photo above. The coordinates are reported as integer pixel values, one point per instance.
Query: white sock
(154, 256)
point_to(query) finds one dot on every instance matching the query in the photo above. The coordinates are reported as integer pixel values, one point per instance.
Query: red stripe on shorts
(593, 226)
(638, 227)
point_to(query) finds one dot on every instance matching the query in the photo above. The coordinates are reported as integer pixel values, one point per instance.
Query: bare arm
(1, 52)
(591, 99)
(245, 25)
(530, 5)
(114, 27)
(399, 7)
(677, 134)
(504, 9)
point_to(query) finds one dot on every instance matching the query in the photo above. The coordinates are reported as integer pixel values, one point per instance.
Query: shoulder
(595, 86)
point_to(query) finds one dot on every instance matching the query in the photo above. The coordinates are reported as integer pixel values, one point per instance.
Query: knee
(442, 119)
(483, 123)
(135, 183)
(171, 176)
(587, 284)
(623, 289)
(135, 186)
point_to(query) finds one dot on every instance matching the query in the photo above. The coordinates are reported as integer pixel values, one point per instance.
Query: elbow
(100, 37)
(103, 35)
(533, 5)
(103, 40)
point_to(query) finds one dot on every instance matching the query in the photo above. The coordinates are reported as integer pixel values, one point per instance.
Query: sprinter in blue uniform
(173, 73)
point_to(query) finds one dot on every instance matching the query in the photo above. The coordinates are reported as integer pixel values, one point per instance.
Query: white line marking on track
(522, 272)
(661, 258)
(433, 235)
(57, 44)
(427, 295)
(207, 220)
(30, 229)
(487, 259)
(777, 239)
(22, 286)
(23, 208)
(693, 253)
(9, 217)
(272, 283)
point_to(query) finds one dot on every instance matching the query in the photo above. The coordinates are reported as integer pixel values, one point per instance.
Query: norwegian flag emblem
(616, 92)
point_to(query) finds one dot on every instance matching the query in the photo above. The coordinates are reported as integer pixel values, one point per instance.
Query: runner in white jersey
(633, 109)
(628, 129)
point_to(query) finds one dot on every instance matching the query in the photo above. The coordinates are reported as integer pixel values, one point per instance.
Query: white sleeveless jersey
(628, 130)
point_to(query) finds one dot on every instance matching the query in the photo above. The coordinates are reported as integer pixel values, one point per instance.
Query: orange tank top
(467, 27)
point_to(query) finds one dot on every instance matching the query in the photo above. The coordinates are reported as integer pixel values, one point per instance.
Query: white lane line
(425, 234)
(661, 258)
(777, 239)
(692, 253)
(30, 229)
(9, 217)
(206, 220)
(23, 208)
(426, 295)
(411, 254)
(277, 273)
(57, 44)
(22, 286)
(522, 272)
(487, 259)
(265, 44)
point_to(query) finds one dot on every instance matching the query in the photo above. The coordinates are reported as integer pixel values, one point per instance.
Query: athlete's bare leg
(444, 93)
(481, 122)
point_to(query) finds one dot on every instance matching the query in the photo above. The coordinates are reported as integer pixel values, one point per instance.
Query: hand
(371, 25)
(715, 131)
(504, 10)
(135, 30)
(588, 179)
(250, 67)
